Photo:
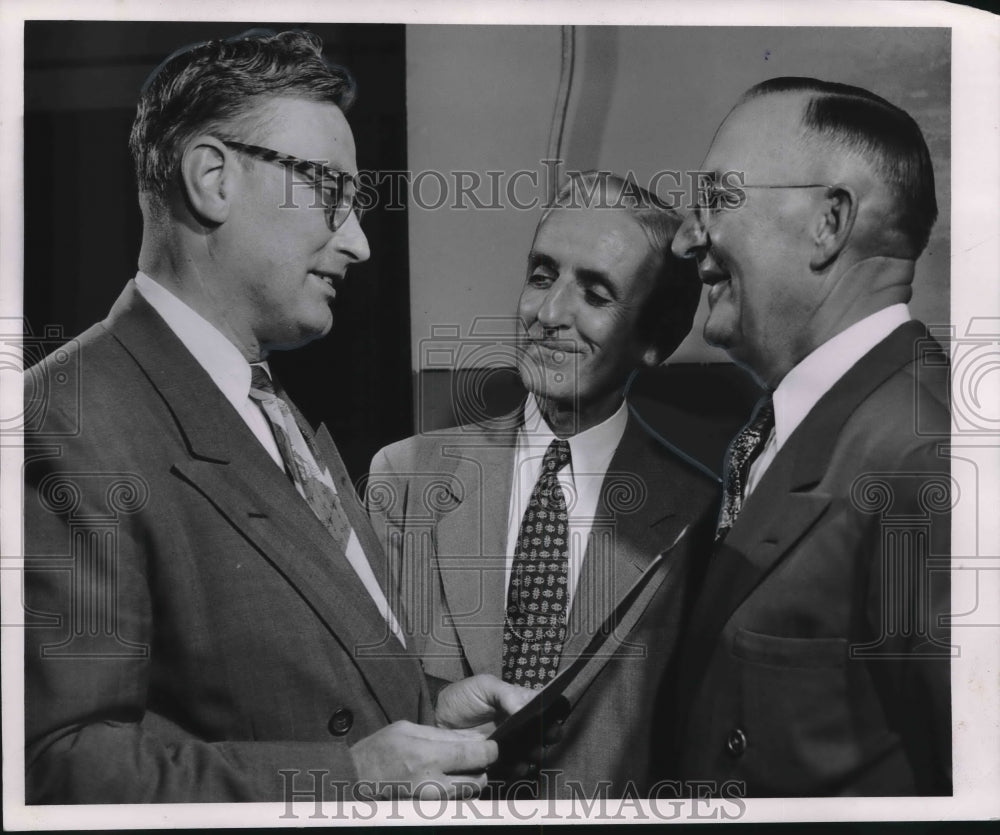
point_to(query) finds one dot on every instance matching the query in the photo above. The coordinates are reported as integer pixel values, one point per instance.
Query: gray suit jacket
(192, 631)
(440, 504)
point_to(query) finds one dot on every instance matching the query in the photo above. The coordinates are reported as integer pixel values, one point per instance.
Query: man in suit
(816, 660)
(514, 539)
(208, 616)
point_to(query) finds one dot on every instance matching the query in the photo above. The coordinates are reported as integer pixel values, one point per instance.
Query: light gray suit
(440, 501)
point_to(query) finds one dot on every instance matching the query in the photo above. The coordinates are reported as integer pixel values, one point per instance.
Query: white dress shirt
(230, 371)
(814, 376)
(591, 452)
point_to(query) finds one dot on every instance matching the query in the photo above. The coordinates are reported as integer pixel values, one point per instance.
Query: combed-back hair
(213, 86)
(669, 312)
(885, 136)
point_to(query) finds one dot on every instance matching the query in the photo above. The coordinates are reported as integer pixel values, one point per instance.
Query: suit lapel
(626, 536)
(786, 503)
(471, 541)
(227, 465)
(356, 514)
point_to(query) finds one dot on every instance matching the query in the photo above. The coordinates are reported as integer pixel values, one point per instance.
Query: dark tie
(311, 479)
(535, 621)
(745, 447)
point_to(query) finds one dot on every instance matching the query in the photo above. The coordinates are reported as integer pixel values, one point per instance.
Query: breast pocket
(791, 653)
(796, 711)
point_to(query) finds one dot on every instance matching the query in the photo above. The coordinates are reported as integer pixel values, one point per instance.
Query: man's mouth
(556, 348)
(717, 290)
(331, 280)
(717, 281)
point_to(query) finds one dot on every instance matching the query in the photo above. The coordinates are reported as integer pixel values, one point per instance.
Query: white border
(974, 280)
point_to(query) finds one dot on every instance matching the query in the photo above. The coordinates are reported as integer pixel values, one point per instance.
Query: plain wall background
(644, 99)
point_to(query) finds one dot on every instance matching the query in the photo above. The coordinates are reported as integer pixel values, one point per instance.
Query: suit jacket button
(341, 722)
(736, 743)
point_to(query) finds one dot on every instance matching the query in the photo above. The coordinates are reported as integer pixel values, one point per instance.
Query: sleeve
(908, 608)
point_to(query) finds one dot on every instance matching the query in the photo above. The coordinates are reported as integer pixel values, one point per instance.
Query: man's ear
(833, 224)
(207, 169)
(652, 356)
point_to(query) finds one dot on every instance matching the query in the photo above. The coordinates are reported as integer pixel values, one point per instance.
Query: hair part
(215, 86)
(856, 121)
(668, 313)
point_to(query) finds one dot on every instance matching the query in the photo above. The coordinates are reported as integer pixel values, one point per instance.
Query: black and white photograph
(540, 413)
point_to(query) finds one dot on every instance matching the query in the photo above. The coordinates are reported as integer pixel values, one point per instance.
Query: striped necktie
(311, 479)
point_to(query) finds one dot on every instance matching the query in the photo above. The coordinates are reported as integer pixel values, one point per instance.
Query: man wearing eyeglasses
(221, 628)
(817, 657)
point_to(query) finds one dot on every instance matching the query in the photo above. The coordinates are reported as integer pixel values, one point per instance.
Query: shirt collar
(591, 451)
(807, 382)
(220, 358)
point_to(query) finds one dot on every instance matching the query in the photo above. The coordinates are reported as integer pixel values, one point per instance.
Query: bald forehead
(764, 136)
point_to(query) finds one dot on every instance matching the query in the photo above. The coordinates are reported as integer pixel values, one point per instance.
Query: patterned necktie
(745, 447)
(535, 622)
(312, 480)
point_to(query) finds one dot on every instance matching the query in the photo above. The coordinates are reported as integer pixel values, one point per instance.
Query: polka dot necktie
(535, 619)
(743, 449)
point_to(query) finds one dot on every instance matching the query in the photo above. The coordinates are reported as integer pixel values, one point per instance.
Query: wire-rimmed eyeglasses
(715, 196)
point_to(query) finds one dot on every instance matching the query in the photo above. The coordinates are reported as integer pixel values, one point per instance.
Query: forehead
(763, 138)
(609, 241)
(310, 130)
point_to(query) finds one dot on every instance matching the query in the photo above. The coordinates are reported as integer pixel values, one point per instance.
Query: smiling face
(589, 273)
(283, 262)
(755, 258)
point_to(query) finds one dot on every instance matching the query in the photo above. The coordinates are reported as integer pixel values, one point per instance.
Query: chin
(303, 337)
(717, 335)
(318, 326)
(547, 389)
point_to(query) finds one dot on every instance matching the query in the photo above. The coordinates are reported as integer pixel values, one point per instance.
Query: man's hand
(478, 701)
(408, 760)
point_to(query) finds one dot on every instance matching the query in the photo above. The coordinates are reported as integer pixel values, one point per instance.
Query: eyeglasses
(713, 196)
(339, 189)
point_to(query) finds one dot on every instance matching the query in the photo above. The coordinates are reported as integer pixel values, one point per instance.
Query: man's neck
(183, 277)
(866, 287)
(569, 419)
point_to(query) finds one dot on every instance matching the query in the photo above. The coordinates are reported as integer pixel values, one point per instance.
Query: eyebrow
(585, 276)
(540, 259)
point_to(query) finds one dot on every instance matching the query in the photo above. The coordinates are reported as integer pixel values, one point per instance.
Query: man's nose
(555, 308)
(351, 240)
(690, 237)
